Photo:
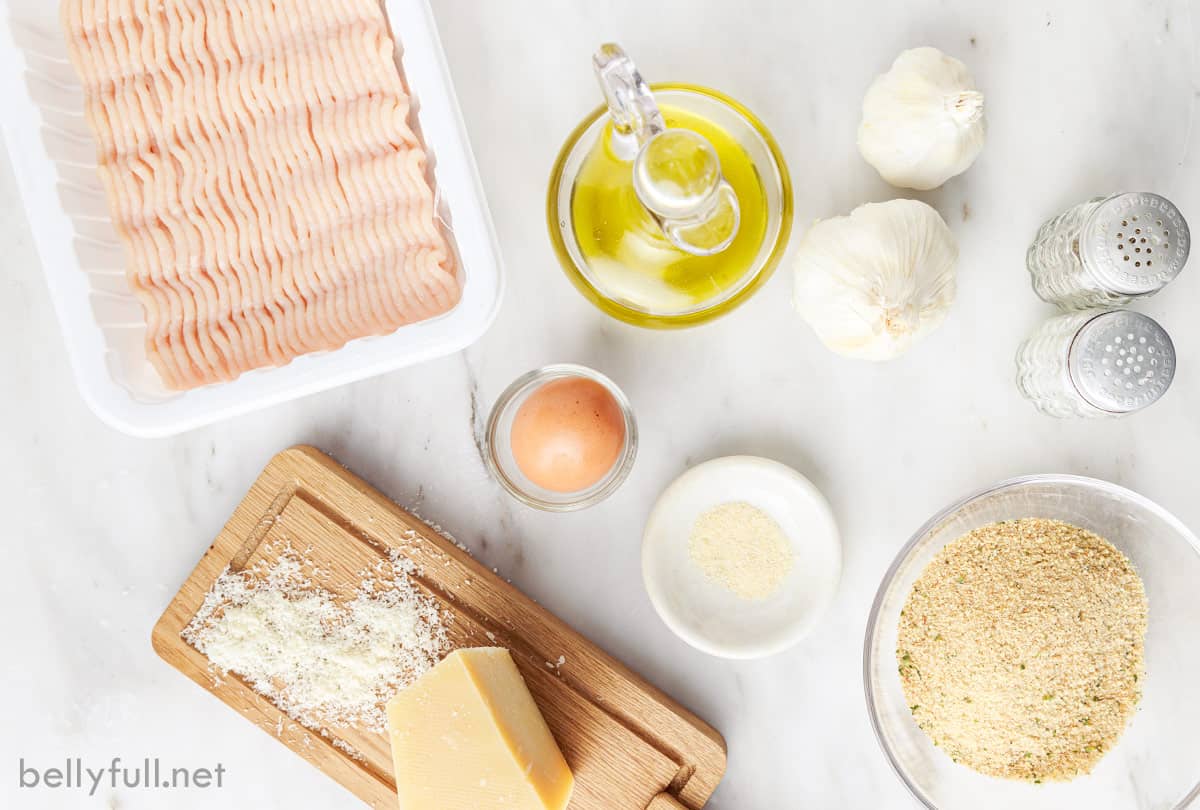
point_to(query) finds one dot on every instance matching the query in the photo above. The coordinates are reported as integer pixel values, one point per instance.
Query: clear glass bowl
(498, 450)
(1156, 764)
(768, 160)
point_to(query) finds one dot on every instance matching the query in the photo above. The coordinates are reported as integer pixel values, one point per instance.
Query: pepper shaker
(1096, 363)
(1108, 251)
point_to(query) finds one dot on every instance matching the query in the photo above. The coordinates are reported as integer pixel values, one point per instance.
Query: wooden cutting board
(630, 746)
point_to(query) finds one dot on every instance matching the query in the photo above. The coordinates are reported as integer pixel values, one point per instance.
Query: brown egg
(568, 434)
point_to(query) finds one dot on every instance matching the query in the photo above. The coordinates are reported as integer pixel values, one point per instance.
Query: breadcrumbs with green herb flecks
(1021, 649)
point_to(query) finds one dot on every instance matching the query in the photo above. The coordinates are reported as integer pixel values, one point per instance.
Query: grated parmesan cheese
(323, 662)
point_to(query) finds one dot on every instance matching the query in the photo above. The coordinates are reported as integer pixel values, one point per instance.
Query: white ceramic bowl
(706, 615)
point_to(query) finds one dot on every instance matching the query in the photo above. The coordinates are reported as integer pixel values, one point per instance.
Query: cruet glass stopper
(676, 172)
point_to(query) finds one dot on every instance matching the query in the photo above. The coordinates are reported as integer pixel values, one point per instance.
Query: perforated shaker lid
(1135, 243)
(1121, 361)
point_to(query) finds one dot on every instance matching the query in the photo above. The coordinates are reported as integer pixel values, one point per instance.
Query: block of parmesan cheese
(468, 736)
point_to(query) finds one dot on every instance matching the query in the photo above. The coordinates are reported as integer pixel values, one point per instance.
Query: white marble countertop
(1084, 99)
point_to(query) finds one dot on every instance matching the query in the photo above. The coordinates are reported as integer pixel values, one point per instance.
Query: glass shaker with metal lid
(1096, 363)
(1108, 251)
(669, 205)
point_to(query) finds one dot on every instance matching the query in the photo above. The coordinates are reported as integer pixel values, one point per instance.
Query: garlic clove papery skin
(875, 282)
(923, 121)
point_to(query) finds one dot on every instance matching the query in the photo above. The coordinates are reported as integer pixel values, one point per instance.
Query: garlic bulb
(922, 121)
(873, 283)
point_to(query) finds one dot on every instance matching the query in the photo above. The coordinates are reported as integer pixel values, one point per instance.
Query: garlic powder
(741, 548)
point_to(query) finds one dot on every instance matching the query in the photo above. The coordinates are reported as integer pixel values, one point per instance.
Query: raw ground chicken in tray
(263, 176)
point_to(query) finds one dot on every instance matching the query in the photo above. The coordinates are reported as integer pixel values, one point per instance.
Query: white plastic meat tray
(53, 157)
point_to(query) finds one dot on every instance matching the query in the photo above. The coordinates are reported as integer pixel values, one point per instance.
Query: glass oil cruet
(671, 204)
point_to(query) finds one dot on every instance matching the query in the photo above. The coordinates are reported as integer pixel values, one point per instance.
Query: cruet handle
(676, 172)
(634, 112)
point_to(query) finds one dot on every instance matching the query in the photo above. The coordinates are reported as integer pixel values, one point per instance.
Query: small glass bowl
(498, 449)
(1156, 762)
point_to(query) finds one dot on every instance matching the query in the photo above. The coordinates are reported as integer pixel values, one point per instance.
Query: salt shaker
(1096, 363)
(1109, 250)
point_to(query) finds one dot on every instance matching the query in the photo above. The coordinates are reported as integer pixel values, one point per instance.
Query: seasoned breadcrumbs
(1021, 649)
